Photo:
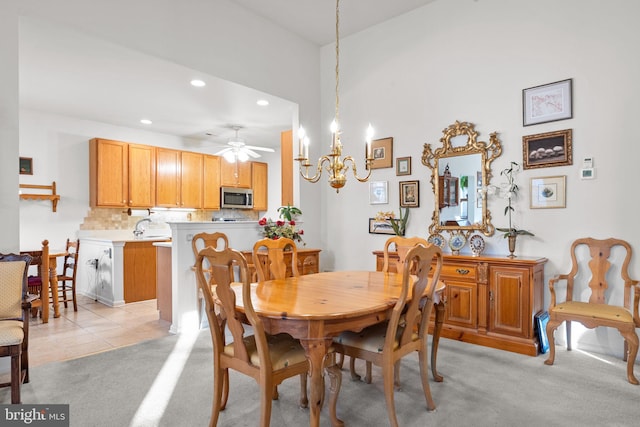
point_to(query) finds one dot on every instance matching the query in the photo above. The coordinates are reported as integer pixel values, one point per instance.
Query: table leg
(53, 279)
(436, 340)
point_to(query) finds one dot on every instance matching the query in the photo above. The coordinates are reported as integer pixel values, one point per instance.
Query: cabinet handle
(490, 295)
(462, 271)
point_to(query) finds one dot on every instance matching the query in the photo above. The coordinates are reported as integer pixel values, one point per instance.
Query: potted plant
(284, 227)
(399, 224)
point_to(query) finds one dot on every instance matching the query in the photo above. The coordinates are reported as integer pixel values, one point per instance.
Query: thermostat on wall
(587, 173)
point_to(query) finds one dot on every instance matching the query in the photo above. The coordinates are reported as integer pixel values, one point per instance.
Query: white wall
(461, 60)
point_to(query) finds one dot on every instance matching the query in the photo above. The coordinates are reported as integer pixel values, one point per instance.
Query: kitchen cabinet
(236, 174)
(491, 300)
(259, 184)
(139, 271)
(178, 179)
(211, 182)
(121, 174)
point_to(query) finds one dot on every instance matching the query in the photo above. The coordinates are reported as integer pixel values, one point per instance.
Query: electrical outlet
(189, 237)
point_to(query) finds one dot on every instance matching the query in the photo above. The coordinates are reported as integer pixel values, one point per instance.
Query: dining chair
(268, 359)
(14, 319)
(39, 261)
(406, 331)
(67, 280)
(275, 259)
(401, 245)
(597, 310)
(201, 241)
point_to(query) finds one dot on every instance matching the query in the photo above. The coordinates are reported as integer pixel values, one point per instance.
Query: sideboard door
(509, 311)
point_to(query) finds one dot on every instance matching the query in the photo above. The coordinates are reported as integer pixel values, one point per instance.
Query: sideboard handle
(462, 271)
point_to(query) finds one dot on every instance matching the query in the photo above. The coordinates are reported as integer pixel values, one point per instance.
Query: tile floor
(94, 328)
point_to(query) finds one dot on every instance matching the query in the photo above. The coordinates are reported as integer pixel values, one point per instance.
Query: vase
(512, 245)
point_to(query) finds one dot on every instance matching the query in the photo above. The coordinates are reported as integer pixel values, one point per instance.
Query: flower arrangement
(284, 227)
(399, 224)
(509, 191)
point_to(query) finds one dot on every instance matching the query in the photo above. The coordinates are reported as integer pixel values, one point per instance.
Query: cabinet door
(142, 176)
(236, 174)
(139, 271)
(509, 301)
(259, 179)
(191, 180)
(462, 304)
(108, 173)
(168, 178)
(211, 182)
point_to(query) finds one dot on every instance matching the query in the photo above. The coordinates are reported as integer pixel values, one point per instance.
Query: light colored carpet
(482, 387)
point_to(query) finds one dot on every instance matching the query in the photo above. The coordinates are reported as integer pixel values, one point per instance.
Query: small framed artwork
(409, 194)
(547, 103)
(380, 227)
(547, 149)
(26, 166)
(548, 192)
(378, 193)
(382, 153)
(403, 166)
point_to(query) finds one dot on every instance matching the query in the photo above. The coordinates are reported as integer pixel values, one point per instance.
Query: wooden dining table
(315, 308)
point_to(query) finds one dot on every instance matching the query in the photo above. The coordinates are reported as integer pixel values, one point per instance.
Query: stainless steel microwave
(236, 198)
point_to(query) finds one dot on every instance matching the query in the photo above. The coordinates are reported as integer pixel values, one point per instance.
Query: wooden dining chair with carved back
(15, 305)
(268, 359)
(407, 328)
(67, 280)
(37, 275)
(597, 310)
(402, 246)
(201, 241)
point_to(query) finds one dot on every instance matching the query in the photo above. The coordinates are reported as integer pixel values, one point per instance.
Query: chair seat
(596, 311)
(284, 350)
(11, 332)
(371, 338)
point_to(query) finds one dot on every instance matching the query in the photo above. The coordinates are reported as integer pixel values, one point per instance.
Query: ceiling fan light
(229, 156)
(242, 156)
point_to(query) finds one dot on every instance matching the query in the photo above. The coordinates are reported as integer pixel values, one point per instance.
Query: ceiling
(60, 70)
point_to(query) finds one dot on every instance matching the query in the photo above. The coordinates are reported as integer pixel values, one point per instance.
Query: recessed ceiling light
(262, 102)
(198, 83)
(146, 121)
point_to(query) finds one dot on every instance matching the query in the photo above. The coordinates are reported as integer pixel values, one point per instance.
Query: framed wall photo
(378, 193)
(26, 166)
(409, 194)
(548, 192)
(382, 153)
(403, 166)
(377, 227)
(547, 103)
(547, 149)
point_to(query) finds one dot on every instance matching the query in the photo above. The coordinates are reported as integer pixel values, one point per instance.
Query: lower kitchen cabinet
(139, 271)
(491, 300)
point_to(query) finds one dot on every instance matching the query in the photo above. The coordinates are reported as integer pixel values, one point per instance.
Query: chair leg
(225, 389)
(568, 326)
(632, 340)
(218, 386)
(16, 376)
(551, 327)
(352, 369)
(266, 395)
(424, 376)
(367, 373)
(304, 400)
(73, 296)
(387, 376)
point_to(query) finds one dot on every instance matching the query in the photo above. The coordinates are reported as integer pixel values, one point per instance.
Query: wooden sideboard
(490, 300)
(308, 260)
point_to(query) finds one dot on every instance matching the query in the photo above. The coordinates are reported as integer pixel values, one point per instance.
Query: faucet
(137, 231)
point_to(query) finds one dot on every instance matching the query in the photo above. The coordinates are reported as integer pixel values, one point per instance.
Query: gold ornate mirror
(460, 173)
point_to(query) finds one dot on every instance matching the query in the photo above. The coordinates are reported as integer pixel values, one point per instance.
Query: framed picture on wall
(382, 153)
(380, 227)
(378, 194)
(547, 149)
(409, 194)
(547, 103)
(548, 192)
(403, 166)
(26, 166)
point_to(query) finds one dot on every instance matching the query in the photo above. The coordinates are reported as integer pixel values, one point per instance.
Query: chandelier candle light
(335, 165)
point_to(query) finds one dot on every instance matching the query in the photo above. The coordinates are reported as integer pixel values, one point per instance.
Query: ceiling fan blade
(251, 153)
(224, 150)
(270, 150)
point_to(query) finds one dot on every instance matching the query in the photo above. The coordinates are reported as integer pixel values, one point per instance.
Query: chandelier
(333, 163)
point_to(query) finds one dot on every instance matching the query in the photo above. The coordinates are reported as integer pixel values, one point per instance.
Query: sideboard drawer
(458, 271)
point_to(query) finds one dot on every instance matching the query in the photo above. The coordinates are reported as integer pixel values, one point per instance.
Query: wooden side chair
(406, 331)
(268, 359)
(67, 280)
(402, 246)
(201, 241)
(597, 311)
(275, 259)
(15, 306)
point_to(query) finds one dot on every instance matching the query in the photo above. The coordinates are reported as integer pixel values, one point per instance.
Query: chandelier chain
(337, 59)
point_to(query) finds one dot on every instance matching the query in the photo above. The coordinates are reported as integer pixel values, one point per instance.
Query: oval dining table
(314, 308)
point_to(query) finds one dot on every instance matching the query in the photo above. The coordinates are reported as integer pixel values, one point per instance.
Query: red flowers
(276, 229)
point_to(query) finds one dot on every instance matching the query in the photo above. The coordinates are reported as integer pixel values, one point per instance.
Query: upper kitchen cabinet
(259, 184)
(112, 181)
(236, 174)
(179, 179)
(211, 182)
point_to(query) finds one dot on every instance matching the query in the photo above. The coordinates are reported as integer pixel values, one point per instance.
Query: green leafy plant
(399, 224)
(509, 191)
(289, 212)
(284, 227)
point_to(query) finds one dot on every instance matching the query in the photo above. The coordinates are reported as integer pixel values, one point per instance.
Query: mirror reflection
(460, 170)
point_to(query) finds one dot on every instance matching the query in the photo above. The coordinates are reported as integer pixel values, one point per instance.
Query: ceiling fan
(237, 150)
